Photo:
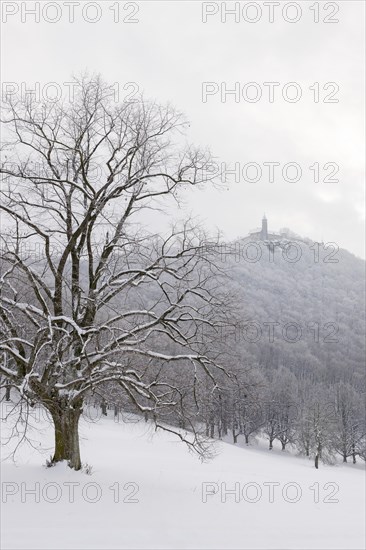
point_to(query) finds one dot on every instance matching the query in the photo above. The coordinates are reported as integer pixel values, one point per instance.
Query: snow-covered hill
(147, 491)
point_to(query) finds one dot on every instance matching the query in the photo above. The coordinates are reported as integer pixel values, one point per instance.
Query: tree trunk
(344, 458)
(283, 446)
(7, 392)
(353, 454)
(104, 408)
(247, 439)
(235, 437)
(66, 422)
(318, 455)
(270, 444)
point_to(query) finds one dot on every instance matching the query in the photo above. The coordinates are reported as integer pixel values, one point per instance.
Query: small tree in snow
(349, 429)
(321, 418)
(280, 408)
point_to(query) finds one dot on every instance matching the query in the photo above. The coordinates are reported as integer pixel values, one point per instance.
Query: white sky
(170, 52)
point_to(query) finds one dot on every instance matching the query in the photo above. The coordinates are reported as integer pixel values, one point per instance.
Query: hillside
(317, 304)
(167, 481)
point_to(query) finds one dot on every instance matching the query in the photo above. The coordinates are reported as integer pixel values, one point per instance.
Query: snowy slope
(166, 481)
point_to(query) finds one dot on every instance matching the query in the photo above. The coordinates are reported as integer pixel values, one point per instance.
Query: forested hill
(302, 306)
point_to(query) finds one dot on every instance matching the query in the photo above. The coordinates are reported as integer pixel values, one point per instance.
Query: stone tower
(264, 232)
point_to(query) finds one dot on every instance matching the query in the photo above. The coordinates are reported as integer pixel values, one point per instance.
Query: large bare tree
(87, 297)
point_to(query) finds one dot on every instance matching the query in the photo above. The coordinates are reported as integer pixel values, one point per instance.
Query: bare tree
(280, 407)
(246, 415)
(284, 389)
(100, 300)
(349, 428)
(271, 425)
(321, 415)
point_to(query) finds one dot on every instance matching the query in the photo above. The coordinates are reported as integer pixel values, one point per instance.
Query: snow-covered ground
(147, 491)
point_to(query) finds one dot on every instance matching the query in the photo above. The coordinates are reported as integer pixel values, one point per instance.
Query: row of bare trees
(319, 421)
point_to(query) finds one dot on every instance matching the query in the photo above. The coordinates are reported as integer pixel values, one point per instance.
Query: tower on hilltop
(264, 231)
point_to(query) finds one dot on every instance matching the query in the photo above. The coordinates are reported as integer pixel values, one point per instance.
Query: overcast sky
(170, 52)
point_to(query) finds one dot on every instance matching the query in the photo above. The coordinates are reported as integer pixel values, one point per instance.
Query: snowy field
(147, 491)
